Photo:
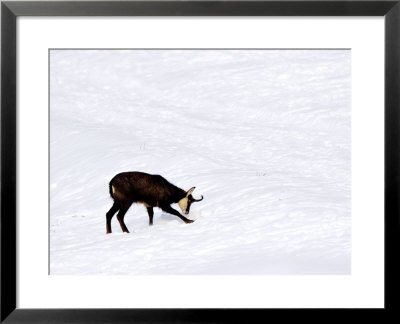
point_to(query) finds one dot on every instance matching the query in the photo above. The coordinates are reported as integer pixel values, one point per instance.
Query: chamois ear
(190, 191)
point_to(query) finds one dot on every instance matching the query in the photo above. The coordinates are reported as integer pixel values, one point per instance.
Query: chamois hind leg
(109, 216)
(121, 215)
(150, 211)
(170, 210)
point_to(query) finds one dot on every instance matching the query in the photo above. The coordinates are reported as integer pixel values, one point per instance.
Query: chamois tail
(111, 190)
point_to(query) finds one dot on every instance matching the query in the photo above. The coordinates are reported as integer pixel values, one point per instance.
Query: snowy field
(263, 135)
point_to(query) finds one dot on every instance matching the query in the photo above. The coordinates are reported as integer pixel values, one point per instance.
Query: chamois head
(185, 202)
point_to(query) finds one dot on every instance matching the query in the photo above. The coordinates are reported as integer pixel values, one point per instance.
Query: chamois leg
(120, 217)
(170, 210)
(151, 213)
(109, 216)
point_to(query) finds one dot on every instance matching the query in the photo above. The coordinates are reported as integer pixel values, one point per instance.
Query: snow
(263, 135)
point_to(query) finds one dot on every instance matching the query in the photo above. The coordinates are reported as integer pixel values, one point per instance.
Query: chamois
(150, 190)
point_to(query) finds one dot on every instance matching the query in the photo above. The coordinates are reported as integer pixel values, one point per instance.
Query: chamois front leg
(170, 210)
(151, 213)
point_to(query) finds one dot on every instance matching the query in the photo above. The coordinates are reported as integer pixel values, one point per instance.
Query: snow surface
(264, 135)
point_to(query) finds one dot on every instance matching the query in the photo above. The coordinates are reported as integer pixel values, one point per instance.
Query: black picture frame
(11, 10)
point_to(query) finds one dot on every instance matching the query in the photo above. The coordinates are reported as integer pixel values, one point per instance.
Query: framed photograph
(198, 161)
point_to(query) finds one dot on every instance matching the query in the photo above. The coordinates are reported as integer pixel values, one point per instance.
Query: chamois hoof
(189, 221)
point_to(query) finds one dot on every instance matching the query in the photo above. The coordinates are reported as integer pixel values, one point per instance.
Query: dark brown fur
(150, 190)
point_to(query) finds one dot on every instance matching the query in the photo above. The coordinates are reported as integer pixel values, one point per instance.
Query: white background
(363, 288)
